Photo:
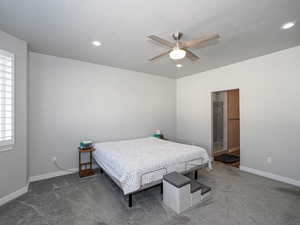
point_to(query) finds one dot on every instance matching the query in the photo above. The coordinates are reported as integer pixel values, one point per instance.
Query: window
(6, 100)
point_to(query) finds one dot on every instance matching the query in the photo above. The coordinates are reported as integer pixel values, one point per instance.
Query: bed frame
(194, 169)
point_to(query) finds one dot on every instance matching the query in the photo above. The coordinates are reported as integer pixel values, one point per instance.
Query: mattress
(138, 162)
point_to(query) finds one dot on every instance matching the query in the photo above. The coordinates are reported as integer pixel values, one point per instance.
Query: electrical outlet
(269, 160)
(54, 159)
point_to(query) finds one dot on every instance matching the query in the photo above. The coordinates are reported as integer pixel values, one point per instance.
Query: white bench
(181, 193)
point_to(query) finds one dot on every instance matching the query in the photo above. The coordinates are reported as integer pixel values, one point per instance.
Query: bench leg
(161, 188)
(101, 170)
(196, 175)
(130, 200)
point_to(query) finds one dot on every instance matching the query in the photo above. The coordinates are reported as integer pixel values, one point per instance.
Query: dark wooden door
(233, 106)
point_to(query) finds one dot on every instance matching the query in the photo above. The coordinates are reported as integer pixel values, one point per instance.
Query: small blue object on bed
(158, 134)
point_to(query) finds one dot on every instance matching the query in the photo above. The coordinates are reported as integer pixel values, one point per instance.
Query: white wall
(13, 163)
(269, 109)
(72, 101)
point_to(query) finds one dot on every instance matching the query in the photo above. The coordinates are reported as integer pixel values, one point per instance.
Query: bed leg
(130, 200)
(161, 188)
(196, 175)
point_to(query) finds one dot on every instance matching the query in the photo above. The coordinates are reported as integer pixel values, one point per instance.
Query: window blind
(6, 98)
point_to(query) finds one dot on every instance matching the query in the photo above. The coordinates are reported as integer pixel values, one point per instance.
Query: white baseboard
(24, 189)
(53, 174)
(13, 195)
(271, 176)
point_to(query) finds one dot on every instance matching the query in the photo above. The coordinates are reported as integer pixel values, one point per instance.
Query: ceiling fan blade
(160, 55)
(191, 55)
(162, 41)
(207, 37)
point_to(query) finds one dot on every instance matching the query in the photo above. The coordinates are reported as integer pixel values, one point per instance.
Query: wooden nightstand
(88, 166)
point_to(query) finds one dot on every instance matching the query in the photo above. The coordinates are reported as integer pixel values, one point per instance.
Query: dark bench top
(195, 186)
(177, 179)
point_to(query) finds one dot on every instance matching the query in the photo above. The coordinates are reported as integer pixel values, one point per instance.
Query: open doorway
(226, 127)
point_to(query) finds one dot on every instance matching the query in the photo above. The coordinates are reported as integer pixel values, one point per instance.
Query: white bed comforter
(128, 161)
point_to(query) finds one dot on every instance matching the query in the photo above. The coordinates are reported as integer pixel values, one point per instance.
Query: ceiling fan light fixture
(179, 49)
(177, 54)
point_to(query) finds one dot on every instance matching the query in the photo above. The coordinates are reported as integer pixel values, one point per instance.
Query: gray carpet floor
(236, 198)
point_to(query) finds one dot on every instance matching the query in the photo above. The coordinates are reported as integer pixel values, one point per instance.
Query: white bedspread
(128, 161)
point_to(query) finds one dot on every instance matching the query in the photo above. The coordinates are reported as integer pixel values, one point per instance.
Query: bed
(137, 164)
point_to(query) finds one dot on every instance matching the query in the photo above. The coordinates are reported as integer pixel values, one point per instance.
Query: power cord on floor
(61, 168)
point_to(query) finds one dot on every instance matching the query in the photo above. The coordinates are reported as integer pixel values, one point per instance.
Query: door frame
(211, 118)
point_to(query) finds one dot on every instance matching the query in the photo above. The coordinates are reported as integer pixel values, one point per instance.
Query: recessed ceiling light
(288, 25)
(179, 65)
(96, 43)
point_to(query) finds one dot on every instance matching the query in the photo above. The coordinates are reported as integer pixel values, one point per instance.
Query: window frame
(8, 145)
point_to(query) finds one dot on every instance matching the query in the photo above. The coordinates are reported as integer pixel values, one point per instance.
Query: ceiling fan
(179, 49)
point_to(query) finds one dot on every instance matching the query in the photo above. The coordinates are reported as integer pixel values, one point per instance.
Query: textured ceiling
(67, 27)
